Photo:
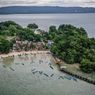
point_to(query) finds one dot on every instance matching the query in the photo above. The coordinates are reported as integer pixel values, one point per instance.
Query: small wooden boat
(40, 72)
(51, 67)
(35, 72)
(61, 77)
(46, 75)
(75, 79)
(12, 69)
(67, 77)
(33, 69)
(51, 75)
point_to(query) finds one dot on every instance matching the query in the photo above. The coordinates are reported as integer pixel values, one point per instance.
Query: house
(50, 42)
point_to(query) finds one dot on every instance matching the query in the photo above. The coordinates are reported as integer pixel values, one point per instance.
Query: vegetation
(10, 32)
(32, 26)
(5, 45)
(9, 28)
(28, 34)
(71, 44)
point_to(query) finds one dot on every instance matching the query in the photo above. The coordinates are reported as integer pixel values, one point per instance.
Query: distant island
(44, 9)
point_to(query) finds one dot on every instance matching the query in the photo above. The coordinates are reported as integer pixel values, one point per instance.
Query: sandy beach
(22, 52)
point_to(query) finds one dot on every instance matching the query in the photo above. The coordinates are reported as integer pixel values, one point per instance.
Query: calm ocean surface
(45, 20)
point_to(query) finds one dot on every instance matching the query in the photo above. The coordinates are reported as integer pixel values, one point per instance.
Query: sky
(64, 3)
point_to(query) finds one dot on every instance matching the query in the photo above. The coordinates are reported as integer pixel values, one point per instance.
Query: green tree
(87, 66)
(5, 45)
(32, 26)
(73, 46)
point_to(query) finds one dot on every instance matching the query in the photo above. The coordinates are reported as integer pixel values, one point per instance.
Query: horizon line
(43, 6)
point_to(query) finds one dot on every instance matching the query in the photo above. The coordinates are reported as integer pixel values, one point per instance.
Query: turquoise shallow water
(38, 75)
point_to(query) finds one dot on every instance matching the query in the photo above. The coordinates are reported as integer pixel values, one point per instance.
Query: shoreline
(23, 52)
(81, 77)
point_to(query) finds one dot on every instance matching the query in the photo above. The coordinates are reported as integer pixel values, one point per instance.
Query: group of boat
(34, 72)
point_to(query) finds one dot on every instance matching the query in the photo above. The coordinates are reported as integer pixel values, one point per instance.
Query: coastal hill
(44, 9)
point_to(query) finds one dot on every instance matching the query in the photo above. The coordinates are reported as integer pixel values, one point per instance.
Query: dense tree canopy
(28, 34)
(9, 28)
(5, 45)
(32, 26)
(73, 46)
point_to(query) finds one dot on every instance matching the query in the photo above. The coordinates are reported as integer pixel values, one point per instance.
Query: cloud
(83, 3)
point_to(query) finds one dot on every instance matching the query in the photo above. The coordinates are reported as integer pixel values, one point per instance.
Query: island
(44, 10)
(67, 43)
